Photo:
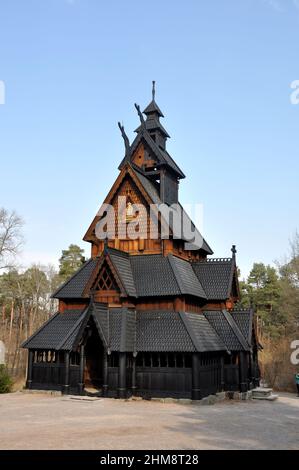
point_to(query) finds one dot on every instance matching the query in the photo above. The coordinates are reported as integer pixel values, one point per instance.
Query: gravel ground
(40, 421)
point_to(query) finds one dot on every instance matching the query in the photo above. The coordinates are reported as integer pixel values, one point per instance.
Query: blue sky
(73, 68)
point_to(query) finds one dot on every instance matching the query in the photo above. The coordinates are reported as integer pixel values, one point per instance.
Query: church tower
(149, 175)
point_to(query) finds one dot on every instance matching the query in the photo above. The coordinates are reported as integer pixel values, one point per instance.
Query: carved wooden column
(196, 394)
(122, 372)
(243, 372)
(66, 385)
(81, 370)
(134, 386)
(222, 381)
(105, 373)
(29, 369)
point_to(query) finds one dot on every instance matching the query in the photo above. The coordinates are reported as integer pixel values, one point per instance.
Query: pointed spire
(153, 110)
(153, 114)
(154, 90)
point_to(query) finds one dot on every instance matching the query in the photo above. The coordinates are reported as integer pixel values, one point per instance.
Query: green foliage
(70, 261)
(5, 380)
(274, 294)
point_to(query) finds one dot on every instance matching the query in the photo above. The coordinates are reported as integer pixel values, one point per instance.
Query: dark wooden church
(150, 317)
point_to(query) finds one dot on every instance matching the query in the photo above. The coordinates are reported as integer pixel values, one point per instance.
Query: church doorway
(93, 372)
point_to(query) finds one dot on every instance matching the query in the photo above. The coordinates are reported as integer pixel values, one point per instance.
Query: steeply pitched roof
(204, 336)
(59, 333)
(227, 329)
(164, 331)
(153, 193)
(127, 330)
(154, 276)
(122, 264)
(216, 277)
(73, 288)
(99, 313)
(141, 276)
(152, 124)
(244, 320)
(162, 156)
(157, 275)
(186, 278)
(116, 327)
(153, 108)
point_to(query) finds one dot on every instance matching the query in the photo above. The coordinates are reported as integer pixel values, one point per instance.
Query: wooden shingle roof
(223, 322)
(216, 276)
(58, 333)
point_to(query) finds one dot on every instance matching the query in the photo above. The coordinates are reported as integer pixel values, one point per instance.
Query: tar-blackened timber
(151, 317)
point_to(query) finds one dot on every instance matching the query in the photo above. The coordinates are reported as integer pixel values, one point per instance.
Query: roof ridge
(242, 340)
(182, 285)
(189, 329)
(231, 278)
(98, 324)
(178, 278)
(214, 260)
(81, 316)
(116, 273)
(125, 256)
(191, 332)
(241, 310)
(117, 251)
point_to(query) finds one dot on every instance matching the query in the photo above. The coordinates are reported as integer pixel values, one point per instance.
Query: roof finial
(154, 90)
(142, 121)
(234, 251)
(126, 141)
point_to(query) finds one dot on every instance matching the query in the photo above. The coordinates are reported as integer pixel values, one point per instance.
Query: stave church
(149, 316)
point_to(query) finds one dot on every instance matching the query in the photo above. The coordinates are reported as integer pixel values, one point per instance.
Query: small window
(106, 280)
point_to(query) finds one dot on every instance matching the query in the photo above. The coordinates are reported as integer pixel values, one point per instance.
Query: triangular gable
(73, 287)
(106, 279)
(105, 275)
(126, 170)
(61, 333)
(151, 196)
(163, 158)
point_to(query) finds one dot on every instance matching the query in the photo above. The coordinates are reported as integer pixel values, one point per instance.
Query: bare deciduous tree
(11, 238)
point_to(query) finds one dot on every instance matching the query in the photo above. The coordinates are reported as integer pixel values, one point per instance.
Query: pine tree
(70, 261)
